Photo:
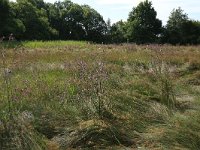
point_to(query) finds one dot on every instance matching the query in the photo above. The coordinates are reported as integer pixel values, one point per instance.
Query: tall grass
(72, 95)
(15, 132)
(165, 85)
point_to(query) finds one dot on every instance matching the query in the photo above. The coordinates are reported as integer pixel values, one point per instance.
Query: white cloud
(118, 2)
(119, 9)
(124, 7)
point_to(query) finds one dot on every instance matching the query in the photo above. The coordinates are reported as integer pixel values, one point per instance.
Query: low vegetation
(71, 95)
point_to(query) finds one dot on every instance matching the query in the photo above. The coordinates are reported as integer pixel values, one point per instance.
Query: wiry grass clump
(183, 132)
(17, 134)
(72, 95)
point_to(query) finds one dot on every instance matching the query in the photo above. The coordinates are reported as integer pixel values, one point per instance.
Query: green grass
(72, 95)
(52, 44)
(43, 44)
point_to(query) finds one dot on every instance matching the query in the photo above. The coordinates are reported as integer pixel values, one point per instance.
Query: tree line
(38, 20)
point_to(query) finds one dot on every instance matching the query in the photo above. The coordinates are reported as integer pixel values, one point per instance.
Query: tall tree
(143, 26)
(108, 31)
(35, 21)
(75, 17)
(55, 18)
(66, 18)
(118, 32)
(4, 13)
(76, 22)
(177, 20)
(13, 24)
(94, 25)
(190, 32)
(108, 23)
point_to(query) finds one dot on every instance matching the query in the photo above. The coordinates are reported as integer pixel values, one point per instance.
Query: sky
(119, 9)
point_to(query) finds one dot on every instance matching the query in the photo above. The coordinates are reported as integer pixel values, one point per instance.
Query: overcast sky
(119, 9)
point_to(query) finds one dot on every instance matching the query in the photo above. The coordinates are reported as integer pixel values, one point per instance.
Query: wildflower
(7, 72)
(2, 38)
(11, 37)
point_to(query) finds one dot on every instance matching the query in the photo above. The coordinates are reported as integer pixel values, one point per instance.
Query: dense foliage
(180, 29)
(143, 26)
(37, 20)
(4, 10)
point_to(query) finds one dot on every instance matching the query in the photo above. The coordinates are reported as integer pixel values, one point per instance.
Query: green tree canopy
(76, 22)
(4, 13)
(143, 26)
(94, 25)
(14, 25)
(191, 32)
(35, 20)
(118, 32)
(65, 20)
(176, 19)
(176, 27)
